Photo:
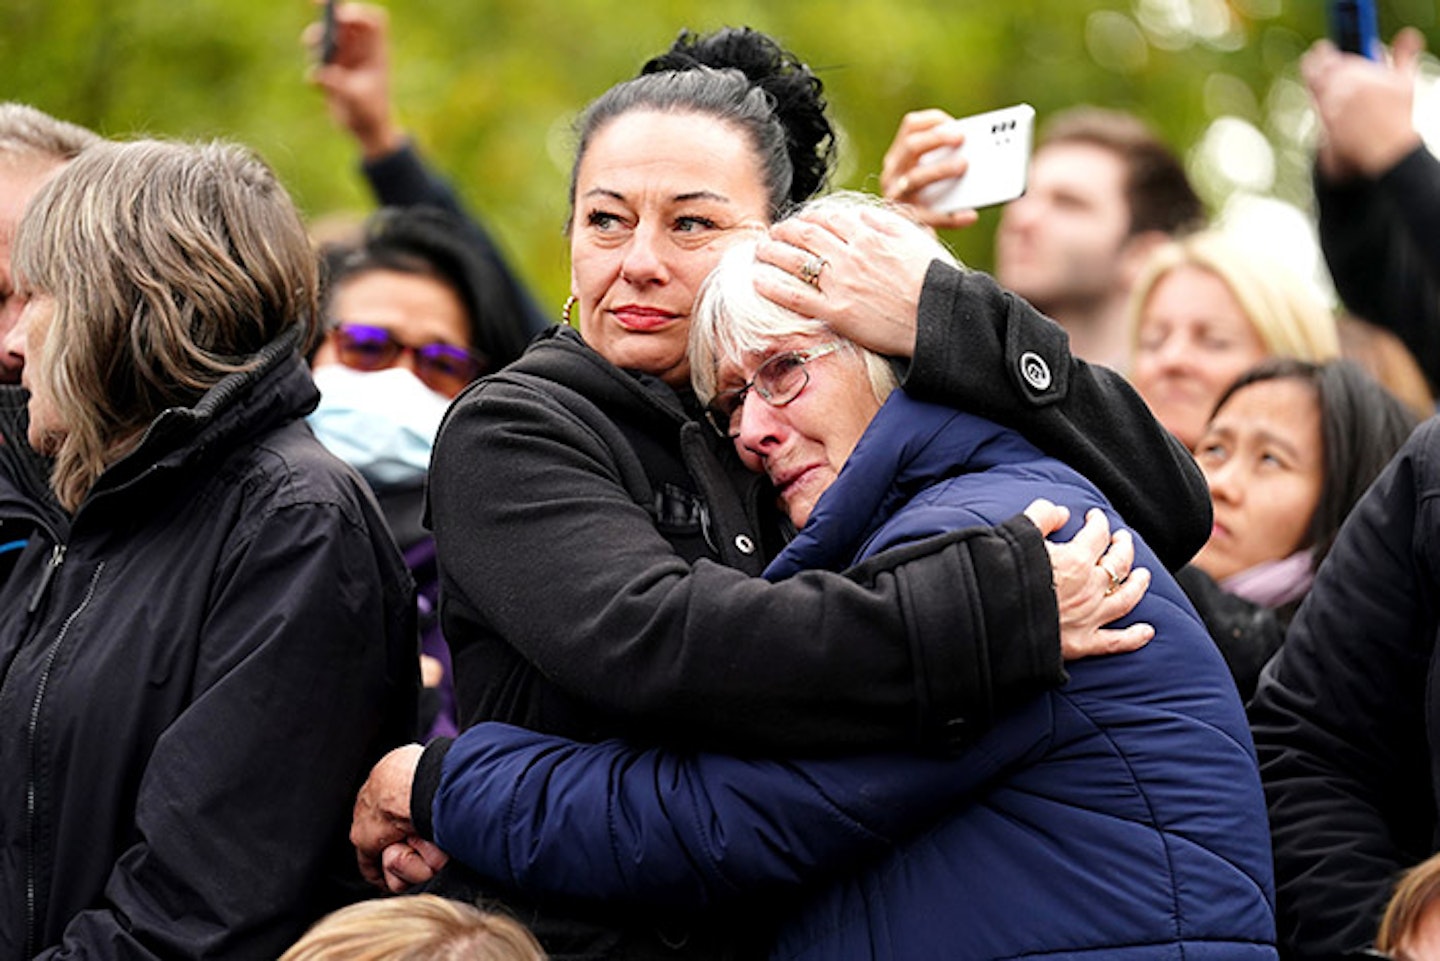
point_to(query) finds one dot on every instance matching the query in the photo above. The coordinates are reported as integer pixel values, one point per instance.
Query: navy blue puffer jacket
(1120, 816)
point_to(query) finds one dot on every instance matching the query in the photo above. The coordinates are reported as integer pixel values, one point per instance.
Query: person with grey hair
(33, 146)
(1042, 818)
(202, 570)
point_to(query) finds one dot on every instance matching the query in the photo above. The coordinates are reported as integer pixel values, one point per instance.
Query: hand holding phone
(329, 42)
(1353, 27)
(997, 149)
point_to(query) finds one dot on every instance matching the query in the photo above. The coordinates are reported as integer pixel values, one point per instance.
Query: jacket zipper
(57, 557)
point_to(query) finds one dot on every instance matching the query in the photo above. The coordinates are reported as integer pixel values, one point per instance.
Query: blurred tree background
(489, 88)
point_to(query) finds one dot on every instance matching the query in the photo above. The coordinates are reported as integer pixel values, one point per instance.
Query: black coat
(1345, 717)
(196, 673)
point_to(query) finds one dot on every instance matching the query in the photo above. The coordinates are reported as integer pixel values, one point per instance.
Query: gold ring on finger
(1115, 580)
(810, 270)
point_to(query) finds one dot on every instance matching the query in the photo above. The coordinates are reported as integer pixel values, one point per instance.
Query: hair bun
(796, 91)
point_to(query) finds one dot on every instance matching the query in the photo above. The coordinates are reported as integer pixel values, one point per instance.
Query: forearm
(402, 179)
(984, 350)
(820, 662)
(1379, 245)
(554, 818)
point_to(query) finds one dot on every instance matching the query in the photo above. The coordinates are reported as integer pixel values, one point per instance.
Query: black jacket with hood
(197, 671)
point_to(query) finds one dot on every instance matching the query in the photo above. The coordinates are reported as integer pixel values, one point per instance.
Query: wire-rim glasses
(778, 381)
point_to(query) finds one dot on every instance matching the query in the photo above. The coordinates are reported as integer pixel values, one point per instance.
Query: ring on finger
(1115, 579)
(810, 270)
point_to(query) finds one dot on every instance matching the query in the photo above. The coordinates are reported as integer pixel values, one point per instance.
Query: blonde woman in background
(1203, 312)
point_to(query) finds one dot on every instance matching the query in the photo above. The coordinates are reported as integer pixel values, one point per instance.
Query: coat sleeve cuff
(426, 783)
(994, 644)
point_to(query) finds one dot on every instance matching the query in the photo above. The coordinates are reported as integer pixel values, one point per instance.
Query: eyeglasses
(778, 381)
(444, 368)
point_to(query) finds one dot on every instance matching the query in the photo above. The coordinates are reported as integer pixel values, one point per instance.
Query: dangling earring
(570, 303)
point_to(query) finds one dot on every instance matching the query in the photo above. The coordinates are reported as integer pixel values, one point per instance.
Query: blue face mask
(382, 423)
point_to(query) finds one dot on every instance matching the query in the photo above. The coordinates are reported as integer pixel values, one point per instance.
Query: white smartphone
(997, 144)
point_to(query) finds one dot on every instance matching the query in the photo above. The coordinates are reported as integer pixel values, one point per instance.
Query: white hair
(732, 320)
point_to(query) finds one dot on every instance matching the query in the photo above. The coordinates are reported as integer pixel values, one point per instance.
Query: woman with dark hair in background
(210, 638)
(599, 545)
(1289, 450)
(412, 314)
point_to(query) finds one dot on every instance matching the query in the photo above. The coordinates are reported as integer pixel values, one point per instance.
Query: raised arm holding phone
(1378, 191)
(350, 46)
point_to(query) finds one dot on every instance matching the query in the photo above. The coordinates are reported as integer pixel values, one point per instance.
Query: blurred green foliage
(489, 87)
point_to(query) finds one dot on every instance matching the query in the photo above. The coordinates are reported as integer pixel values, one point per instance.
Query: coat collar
(909, 446)
(246, 404)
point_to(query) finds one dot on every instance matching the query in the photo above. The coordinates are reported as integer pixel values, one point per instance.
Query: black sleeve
(1381, 240)
(402, 179)
(541, 546)
(1341, 718)
(983, 349)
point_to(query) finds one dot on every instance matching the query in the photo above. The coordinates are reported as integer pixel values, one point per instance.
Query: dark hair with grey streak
(725, 95)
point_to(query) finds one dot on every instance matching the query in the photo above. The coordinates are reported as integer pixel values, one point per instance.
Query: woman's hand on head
(1094, 583)
(870, 270)
(903, 176)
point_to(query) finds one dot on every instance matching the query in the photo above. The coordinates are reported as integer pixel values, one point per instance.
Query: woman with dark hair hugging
(211, 638)
(1117, 815)
(600, 547)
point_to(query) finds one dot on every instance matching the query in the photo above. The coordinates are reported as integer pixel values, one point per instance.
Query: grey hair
(726, 95)
(731, 319)
(171, 266)
(33, 134)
